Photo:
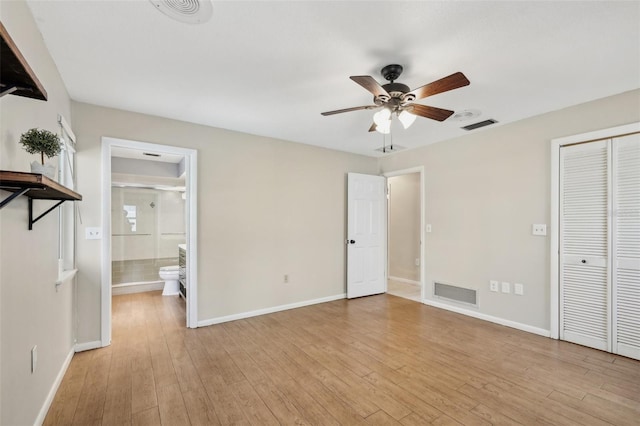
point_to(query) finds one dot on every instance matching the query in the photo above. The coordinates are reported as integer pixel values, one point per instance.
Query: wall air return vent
(479, 124)
(455, 293)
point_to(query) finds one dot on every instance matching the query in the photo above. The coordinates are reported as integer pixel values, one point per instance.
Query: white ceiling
(270, 67)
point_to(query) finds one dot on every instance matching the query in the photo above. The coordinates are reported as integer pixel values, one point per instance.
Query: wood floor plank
(171, 406)
(148, 417)
(199, 407)
(372, 360)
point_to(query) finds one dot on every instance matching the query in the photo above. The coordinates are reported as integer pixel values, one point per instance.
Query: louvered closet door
(626, 246)
(584, 248)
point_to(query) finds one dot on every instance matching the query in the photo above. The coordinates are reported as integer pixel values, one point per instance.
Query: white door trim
(556, 144)
(418, 169)
(191, 172)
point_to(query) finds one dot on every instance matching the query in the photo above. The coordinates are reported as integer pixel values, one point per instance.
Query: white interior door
(366, 235)
(626, 246)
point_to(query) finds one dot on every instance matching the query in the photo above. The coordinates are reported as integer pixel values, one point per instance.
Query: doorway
(405, 251)
(188, 166)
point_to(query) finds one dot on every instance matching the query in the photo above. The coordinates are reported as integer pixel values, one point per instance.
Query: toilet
(170, 275)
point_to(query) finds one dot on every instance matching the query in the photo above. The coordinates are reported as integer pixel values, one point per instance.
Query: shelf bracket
(13, 196)
(9, 91)
(32, 220)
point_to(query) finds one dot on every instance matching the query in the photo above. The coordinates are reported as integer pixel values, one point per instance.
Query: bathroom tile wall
(138, 270)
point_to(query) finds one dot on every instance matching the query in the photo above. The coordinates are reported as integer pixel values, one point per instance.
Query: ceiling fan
(397, 98)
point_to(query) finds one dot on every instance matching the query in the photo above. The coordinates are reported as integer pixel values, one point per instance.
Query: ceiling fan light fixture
(382, 117)
(384, 127)
(406, 118)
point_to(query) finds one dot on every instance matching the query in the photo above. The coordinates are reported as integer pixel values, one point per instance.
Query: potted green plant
(45, 143)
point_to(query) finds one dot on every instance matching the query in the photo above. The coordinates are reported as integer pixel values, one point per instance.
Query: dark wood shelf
(34, 186)
(40, 187)
(16, 76)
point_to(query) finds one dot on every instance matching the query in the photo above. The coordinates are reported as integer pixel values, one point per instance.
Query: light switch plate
(506, 287)
(539, 229)
(93, 233)
(493, 285)
(428, 227)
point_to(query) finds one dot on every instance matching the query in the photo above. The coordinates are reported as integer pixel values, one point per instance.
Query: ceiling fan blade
(370, 84)
(340, 111)
(453, 81)
(433, 113)
(373, 127)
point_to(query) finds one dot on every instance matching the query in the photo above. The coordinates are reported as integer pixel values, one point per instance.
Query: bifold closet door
(626, 246)
(584, 245)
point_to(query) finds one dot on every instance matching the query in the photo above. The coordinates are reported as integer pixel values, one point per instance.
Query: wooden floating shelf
(16, 76)
(34, 186)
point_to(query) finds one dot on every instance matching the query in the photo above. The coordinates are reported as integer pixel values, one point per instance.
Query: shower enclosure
(147, 224)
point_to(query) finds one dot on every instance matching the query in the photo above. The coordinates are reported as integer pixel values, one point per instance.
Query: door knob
(351, 241)
(583, 261)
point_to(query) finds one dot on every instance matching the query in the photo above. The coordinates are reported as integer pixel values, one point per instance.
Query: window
(67, 211)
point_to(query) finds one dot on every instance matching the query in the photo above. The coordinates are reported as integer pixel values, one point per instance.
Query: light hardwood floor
(379, 360)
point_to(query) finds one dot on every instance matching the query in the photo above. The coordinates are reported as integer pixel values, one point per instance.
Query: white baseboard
(271, 310)
(141, 287)
(87, 346)
(490, 318)
(405, 280)
(54, 388)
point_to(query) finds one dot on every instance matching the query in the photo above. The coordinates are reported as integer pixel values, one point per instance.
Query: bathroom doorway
(149, 217)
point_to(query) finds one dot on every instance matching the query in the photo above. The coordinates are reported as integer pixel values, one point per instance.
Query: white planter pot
(48, 170)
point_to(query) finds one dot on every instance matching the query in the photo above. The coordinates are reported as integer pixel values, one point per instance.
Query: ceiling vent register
(479, 124)
(187, 11)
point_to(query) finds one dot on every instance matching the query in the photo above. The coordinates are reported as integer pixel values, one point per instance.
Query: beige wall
(32, 312)
(485, 190)
(266, 208)
(404, 226)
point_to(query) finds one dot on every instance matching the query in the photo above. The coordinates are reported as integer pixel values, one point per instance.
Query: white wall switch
(493, 285)
(506, 287)
(93, 233)
(539, 229)
(428, 227)
(518, 289)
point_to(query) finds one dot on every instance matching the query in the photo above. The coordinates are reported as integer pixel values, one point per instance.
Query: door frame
(401, 172)
(554, 241)
(191, 222)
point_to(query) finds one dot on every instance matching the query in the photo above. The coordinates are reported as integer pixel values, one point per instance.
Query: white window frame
(67, 211)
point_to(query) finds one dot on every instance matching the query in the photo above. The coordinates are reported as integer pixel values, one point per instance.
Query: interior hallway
(372, 360)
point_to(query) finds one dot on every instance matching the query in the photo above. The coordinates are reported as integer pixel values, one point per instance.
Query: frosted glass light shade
(384, 127)
(406, 118)
(382, 119)
(382, 116)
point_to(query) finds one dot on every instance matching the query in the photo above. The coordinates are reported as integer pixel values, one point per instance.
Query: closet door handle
(584, 261)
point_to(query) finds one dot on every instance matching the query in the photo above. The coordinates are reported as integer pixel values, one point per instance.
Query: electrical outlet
(493, 285)
(93, 233)
(286, 278)
(506, 287)
(34, 358)
(539, 229)
(518, 289)
(417, 261)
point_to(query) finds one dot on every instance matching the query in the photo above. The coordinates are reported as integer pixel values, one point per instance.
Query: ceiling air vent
(187, 11)
(479, 124)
